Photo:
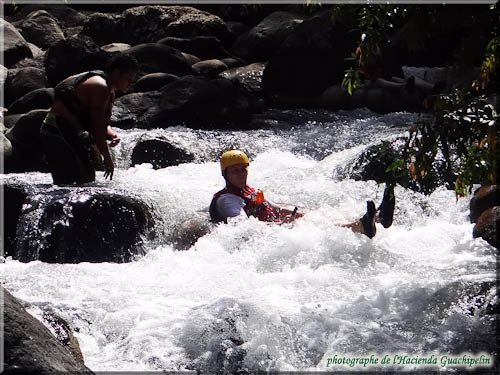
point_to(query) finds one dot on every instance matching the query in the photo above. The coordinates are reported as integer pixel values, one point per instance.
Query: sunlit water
(268, 297)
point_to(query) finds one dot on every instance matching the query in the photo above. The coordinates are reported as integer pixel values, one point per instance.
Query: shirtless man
(78, 121)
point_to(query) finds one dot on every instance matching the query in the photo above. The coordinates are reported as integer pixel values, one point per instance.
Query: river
(270, 297)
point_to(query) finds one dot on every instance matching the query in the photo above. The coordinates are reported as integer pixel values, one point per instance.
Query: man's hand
(109, 168)
(112, 136)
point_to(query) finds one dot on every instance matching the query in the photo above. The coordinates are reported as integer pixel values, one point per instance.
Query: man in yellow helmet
(239, 199)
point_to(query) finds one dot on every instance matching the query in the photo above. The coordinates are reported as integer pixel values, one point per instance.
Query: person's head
(121, 71)
(234, 167)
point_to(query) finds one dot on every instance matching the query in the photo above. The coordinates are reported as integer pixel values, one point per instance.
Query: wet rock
(249, 77)
(485, 197)
(205, 47)
(41, 29)
(160, 153)
(209, 68)
(24, 135)
(36, 99)
(336, 97)
(213, 339)
(265, 38)
(233, 62)
(72, 56)
(19, 82)
(13, 47)
(311, 58)
(188, 232)
(30, 347)
(487, 225)
(83, 225)
(153, 81)
(154, 58)
(149, 23)
(14, 197)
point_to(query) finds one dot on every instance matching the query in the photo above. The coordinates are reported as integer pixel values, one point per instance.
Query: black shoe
(386, 208)
(368, 220)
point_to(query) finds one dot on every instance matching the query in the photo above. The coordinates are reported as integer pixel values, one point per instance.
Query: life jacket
(65, 91)
(263, 211)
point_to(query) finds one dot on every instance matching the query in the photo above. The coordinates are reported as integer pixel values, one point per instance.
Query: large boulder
(156, 58)
(487, 225)
(485, 197)
(135, 110)
(29, 346)
(83, 225)
(312, 58)
(19, 82)
(41, 29)
(204, 103)
(72, 56)
(205, 47)
(265, 38)
(153, 81)
(148, 23)
(27, 154)
(160, 153)
(13, 47)
(36, 99)
(14, 196)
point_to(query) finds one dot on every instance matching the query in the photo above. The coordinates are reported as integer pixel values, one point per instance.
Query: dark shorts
(67, 153)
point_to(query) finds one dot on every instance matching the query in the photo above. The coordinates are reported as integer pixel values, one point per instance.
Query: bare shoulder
(94, 90)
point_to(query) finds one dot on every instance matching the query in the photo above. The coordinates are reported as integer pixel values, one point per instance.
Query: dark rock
(14, 197)
(135, 110)
(204, 103)
(13, 47)
(83, 225)
(336, 97)
(485, 197)
(236, 29)
(154, 58)
(312, 58)
(36, 99)
(209, 68)
(249, 77)
(30, 347)
(40, 28)
(160, 153)
(265, 38)
(191, 59)
(65, 15)
(233, 62)
(188, 232)
(21, 81)
(10, 120)
(487, 225)
(205, 47)
(153, 81)
(37, 61)
(27, 152)
(148, 23)
(72, 56)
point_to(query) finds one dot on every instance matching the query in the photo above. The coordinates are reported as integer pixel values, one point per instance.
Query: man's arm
(98, 105)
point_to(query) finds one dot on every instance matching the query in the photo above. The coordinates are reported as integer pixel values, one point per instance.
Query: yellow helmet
(233, 157)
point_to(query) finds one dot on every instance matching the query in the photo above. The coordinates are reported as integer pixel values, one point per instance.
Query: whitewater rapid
(269, 297)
